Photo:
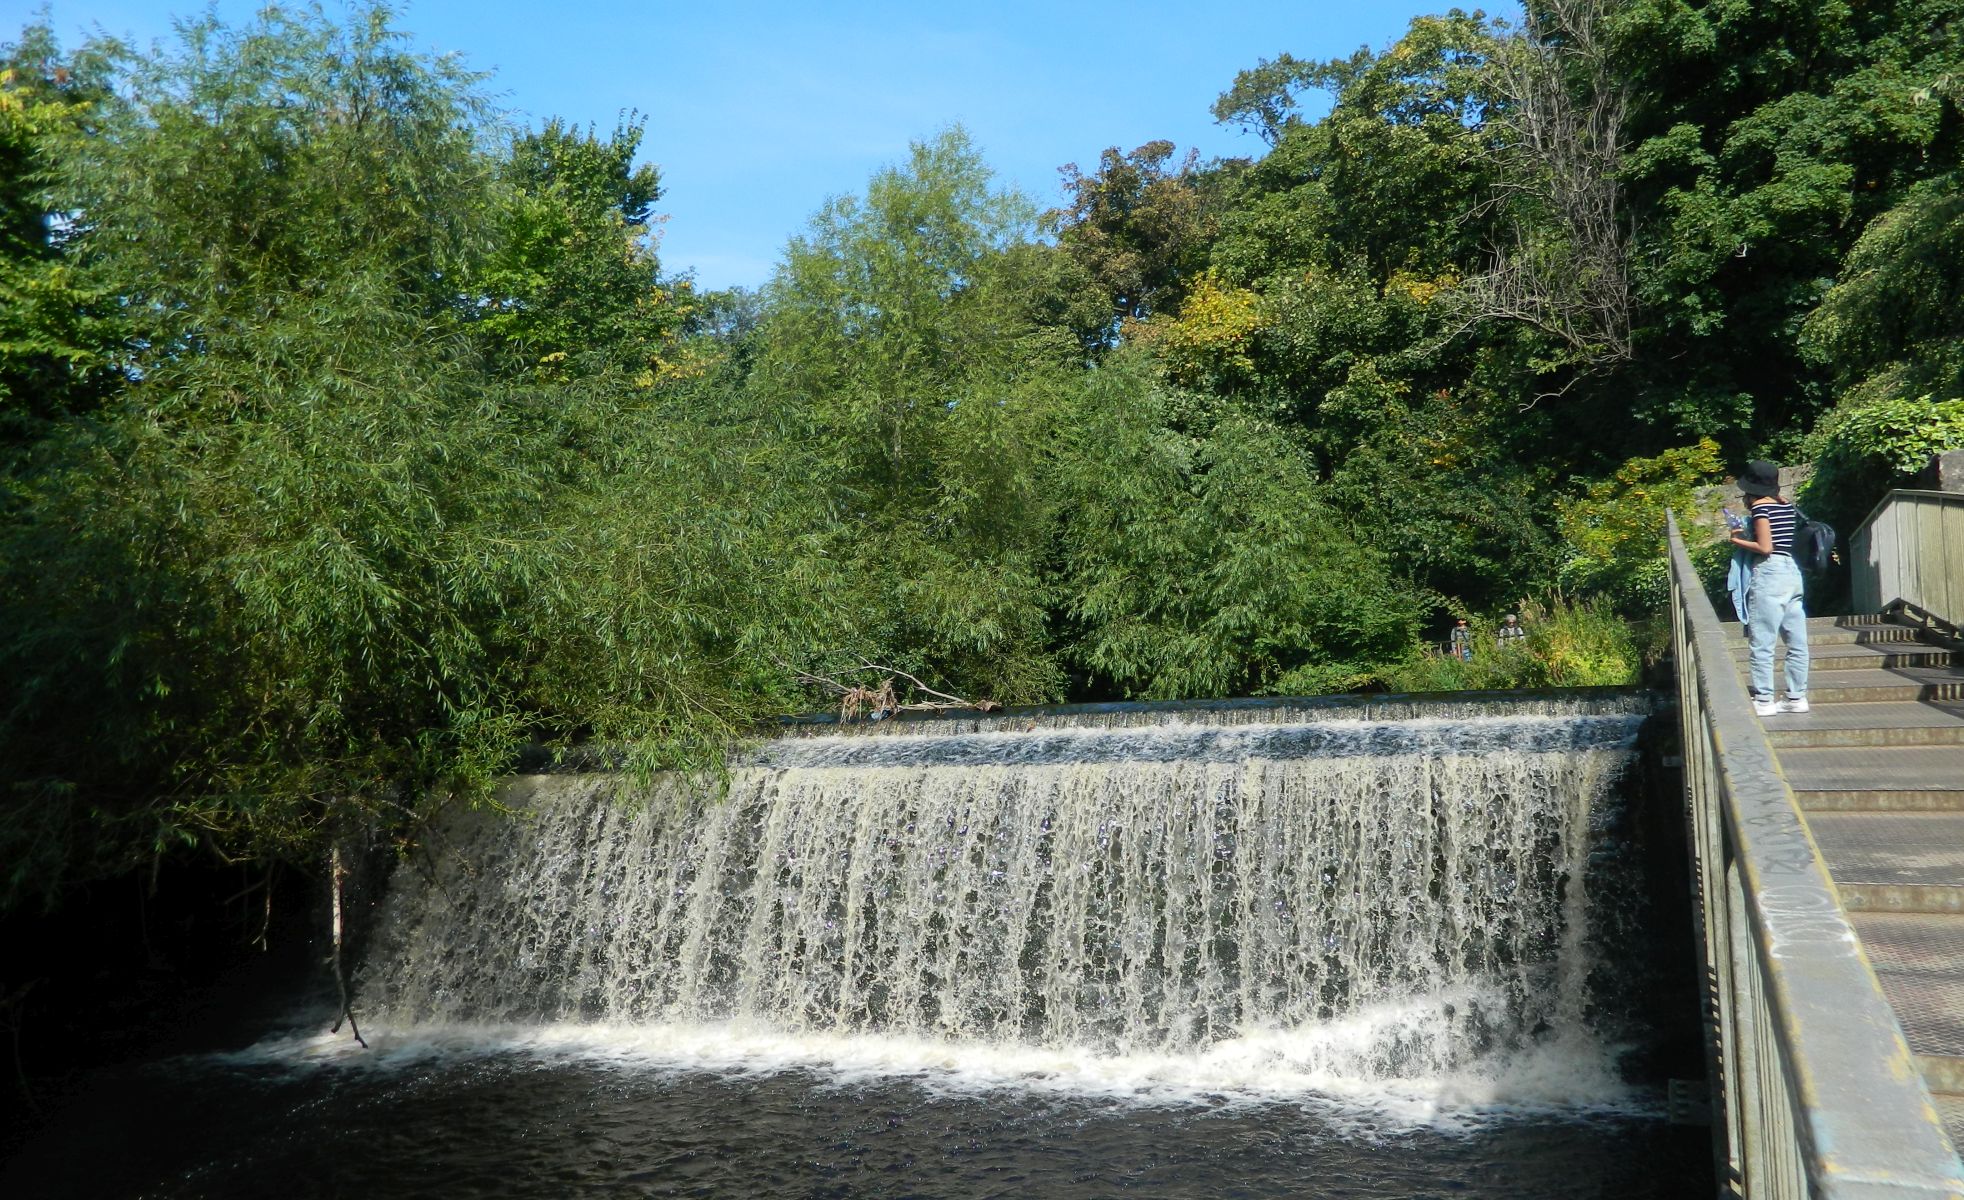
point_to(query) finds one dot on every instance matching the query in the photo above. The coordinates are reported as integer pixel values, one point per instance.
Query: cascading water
(1298, 906)
(1377, 950)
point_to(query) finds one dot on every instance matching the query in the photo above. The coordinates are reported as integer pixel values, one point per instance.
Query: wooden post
(339, 872)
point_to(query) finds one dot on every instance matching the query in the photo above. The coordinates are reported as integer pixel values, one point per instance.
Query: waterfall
(1366, 899)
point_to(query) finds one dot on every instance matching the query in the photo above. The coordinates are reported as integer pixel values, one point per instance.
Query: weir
(1277, 899)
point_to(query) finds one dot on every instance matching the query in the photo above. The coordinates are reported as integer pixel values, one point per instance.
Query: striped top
(1780, 515)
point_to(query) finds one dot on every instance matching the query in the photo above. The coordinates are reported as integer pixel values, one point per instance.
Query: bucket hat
(1760, 478)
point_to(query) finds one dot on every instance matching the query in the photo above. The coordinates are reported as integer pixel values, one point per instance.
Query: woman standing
(1774, 605)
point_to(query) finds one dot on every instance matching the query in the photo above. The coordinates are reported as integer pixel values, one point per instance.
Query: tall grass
(1568, 644)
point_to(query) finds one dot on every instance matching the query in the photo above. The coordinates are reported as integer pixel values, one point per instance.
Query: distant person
(1774, 603)
(1459, 643)
(1511, 633)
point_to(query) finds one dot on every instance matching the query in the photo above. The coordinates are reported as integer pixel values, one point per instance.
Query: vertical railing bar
(1953, 543)
(1750, 1103)
(1700, 784)
(1909, 557)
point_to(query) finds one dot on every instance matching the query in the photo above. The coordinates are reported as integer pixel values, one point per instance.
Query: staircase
(1878, 770)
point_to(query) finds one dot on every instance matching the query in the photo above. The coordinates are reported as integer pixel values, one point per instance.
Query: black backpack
(1813, 543)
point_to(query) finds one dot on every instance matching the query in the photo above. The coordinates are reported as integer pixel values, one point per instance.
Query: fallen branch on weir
(881, 700)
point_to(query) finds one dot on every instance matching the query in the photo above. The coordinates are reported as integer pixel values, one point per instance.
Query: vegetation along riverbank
(353, 438)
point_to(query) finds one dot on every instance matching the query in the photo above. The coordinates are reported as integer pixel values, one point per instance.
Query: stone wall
(1944, 474)
(1707, 501)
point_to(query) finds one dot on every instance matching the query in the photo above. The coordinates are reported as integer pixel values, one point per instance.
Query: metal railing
(1911, 547)
(1815, 1091)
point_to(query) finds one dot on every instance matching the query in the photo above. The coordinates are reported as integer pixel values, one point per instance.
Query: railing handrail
(1889, 497)
(1866, 1124)
(1910, 548)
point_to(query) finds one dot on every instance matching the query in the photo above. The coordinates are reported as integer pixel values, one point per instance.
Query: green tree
(575, 284)
(318, 567)
(1891, 326)
(1359, 233)
(1263, 98)
(1209, 567)
(1766, 138)
(262, 561)
(58, 336)
(898, 342)
(1388, 177)
(1139, 227)
(263, 174)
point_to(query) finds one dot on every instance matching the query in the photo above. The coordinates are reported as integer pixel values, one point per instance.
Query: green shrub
(1568, 644)
(1862, 451)
(1615, 530)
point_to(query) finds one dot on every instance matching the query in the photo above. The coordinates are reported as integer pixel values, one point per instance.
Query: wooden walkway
(1878, 769)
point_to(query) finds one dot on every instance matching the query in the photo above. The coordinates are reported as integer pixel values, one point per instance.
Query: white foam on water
(1323, 1068)
(1458, 707)
(1193, 742)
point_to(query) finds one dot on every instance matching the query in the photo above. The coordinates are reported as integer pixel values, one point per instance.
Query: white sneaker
(1765, 708)
(1794, 704)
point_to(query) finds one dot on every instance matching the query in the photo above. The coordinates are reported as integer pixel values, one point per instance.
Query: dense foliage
(351, 439)
(1568, 644)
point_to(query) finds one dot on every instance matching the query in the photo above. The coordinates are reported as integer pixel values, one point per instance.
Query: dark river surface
(525, 1118)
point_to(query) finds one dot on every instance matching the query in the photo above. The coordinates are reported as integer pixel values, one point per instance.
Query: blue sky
(757, 112)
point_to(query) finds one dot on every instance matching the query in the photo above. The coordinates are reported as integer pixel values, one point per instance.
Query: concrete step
(1877, 685)
(1894, 861)
(1857, 800)
(1864, 627)
(1875, 778)
(1843, 631)
(1853, 623)
(1950, 1108)
(1849, 656)
(1889, 723)
(1919, 960)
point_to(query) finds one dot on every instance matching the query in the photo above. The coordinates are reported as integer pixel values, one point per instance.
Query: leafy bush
(1568, 644)
(1615, 530)
(1861, 451)
(1711, 558)
(1900, 434)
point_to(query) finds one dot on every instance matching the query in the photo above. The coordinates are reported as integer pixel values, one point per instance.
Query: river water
(578, 1116)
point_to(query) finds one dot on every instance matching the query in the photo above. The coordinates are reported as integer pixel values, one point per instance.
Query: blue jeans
(1775, 607)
